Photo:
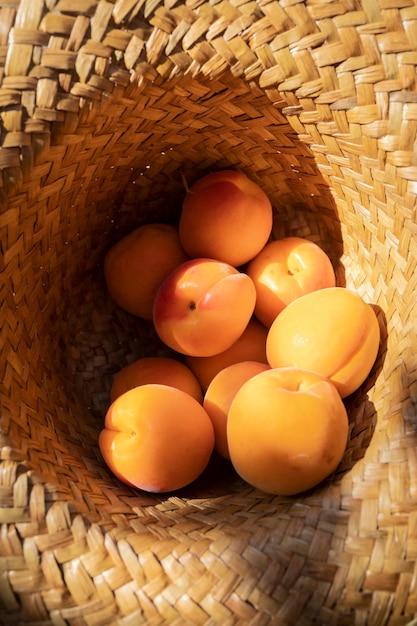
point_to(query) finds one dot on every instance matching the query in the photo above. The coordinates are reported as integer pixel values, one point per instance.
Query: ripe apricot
(250, 346)
(203, 307)
(332, 331)
(287, 430)
(219, 396)
(225, 216)
(161, 370)
(137, 264)
(286, 269)
(156, 438)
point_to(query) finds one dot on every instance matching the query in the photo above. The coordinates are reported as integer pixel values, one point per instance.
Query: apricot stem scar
(192, 306)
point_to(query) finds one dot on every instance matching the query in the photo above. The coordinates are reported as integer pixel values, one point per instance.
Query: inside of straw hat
(127, 162)
(108, 110)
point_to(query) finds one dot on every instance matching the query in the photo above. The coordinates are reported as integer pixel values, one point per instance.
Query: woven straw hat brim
(107, 108)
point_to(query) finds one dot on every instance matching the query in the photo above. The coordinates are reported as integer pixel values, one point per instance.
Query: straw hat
(107, 107)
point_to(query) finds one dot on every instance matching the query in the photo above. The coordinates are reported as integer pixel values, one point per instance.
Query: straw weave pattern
(107, 108)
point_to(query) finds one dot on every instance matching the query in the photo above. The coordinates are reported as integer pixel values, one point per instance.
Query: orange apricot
(287, 430)
(225, 216)
(219, 396)
(137, 264)
(161, 370)
(286, 269)
(203, 307)
(250, 346)
(156, 438)
(332, 331)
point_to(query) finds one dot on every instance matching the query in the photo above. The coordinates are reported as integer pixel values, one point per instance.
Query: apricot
(225, 216)
(203, 307)
(250, 346)
(332, 331)
(137, 264)
(219, 396)
(287, 430)
(161, 370)
(286, 269)
(156, 438)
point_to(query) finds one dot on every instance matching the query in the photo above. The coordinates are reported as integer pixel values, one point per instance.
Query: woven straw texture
(107, 108)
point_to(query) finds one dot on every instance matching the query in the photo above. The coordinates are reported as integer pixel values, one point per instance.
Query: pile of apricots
(265, 347)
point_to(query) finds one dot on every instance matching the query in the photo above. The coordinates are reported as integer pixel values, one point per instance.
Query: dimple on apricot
(332, 331)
